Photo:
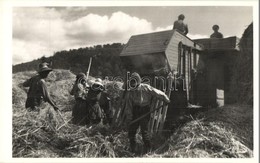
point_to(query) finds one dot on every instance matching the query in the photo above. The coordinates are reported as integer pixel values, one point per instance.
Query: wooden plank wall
(172, 50)
(229, 43)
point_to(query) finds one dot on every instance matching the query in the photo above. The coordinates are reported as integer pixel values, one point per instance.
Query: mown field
(219, 132)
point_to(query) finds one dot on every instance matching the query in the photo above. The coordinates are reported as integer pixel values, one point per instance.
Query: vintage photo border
(6, 75)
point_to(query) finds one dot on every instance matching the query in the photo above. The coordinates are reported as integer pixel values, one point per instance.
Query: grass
(222, 132)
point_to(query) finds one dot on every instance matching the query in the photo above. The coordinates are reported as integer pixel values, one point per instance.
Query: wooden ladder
(158, 117)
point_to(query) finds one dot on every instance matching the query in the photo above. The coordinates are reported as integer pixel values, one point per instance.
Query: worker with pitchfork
(38, 94)
(139, 98)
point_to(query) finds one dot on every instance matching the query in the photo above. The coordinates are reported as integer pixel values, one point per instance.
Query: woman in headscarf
(80, 90)
(94, 95)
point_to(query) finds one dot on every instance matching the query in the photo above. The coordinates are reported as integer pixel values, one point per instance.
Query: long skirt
(95, 112)
(80, 112)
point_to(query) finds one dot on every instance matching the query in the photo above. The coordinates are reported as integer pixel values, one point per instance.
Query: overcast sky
(39, 31)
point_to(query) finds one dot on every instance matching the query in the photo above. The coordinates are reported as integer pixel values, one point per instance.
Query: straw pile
(225, 132)
(45, 134)
(198, 139)
(50, 133)
(242, 79)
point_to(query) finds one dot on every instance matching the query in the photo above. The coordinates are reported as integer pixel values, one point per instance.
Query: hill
(106, 61)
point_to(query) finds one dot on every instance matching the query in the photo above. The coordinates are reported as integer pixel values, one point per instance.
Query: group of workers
(89, 100)
(92, 101)
(183, 28)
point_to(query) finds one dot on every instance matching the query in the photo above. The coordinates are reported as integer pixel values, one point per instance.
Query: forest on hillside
(105, 62)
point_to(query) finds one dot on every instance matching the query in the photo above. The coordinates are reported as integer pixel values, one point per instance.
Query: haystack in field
(242, 80)
(222, 132)
(45, 134)
(225, 132)
(18, 91)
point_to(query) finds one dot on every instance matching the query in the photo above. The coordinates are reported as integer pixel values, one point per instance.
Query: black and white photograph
(139, 80)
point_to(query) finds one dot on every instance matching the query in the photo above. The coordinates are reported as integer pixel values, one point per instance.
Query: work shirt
(94, 93)
(142, 96)
(180, 26)
(216, 35)
(79, 91)
(38, 88)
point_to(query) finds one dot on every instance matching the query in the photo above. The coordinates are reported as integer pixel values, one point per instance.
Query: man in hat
(38, 93)
(93, 97)
(216, 33)
(180, 26)
(139, 98)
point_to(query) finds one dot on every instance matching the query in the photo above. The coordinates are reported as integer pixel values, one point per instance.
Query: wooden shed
(218, 59)
(158, 52)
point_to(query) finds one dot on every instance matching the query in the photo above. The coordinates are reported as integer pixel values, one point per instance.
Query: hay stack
(220, 132)
(45, 135)
(200, 139)
(18, 91)
(242, 80)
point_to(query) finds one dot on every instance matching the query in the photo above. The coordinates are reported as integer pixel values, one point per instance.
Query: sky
(42, 31)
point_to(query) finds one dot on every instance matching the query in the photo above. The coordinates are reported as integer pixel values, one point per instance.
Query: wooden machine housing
(167, 59)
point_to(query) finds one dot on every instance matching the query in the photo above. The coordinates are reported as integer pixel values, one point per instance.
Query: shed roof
(147, 43)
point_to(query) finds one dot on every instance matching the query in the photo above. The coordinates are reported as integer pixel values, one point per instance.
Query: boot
(147, 147)
(132, 146)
